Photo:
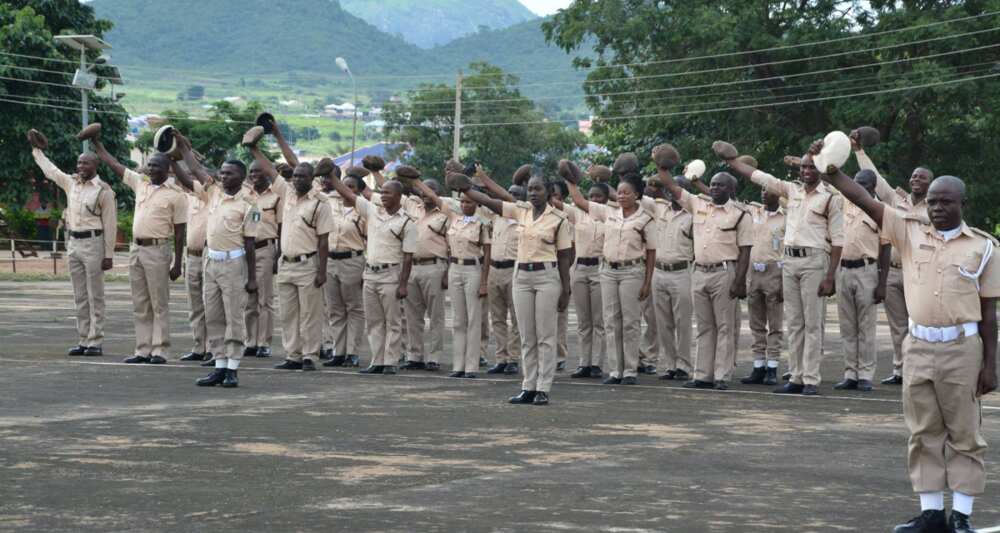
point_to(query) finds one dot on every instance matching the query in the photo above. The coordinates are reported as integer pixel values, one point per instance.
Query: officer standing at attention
(503, 257)
(194, 277)
(160, 213)
(229, 260)
(813, 239)
(392, 239)
(93, 226)
(259, 313)
(949, 357)
(541, 283)
(764, 298)
(558, 194)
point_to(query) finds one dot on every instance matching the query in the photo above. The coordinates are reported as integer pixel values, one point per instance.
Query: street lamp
(342, 64)
(84, 79)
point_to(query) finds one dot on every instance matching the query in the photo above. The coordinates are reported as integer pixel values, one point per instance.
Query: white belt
(945, 334)
(218, 255)
(761, 267)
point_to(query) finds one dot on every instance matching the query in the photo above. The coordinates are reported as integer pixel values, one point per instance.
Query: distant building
(344, 110)
(585, 126)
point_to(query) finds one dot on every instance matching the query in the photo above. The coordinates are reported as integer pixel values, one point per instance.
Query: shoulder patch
(984, 234)
(756, 205)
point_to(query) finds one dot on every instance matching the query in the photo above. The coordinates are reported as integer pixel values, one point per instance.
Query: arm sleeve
(131, 178)
(50, 170)
(564, 239)
(324, 218)
(279, 186)
(180, 209)
(649, 233)
(109, 220)
(989, 281)
(835, 222)
(744, 230)
(485, 234)
(362, 204)
(251, 221)
(410, 238)
(687, 201)
(511, 210)
(894, 228)
(648, 205)
(770, 183)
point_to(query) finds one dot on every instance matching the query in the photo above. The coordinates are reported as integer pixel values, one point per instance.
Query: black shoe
(215, 378)
(959, 523)
(720, 384)
(668, 375)
(847, 384)
(756, 377)
(193, 356)
(389, 370)
(630, 380)
(789, 388)
(338, 360)
(648, 369)
(209, 360)
(77, 350)
(865, 385)
(511, 369)
(893, 380)
(374, 369)
(483, 363)
(289, 365)
(612, 381)
(401, 360)
(308, 365)
(93, 351)
(681, 375)
(786, 376)
(497, 368)
(413, 365)
(325, 354)
(353, 360)
(526, 396)
(541, 398)
(560, 366)
(263, 351)
(137, 360)
(457, 374)
(231, 380)
(470, 375)
(698, 384)
(810, 390)
(250, 351)
(431, 367)
(581, 372)
(771, 377)
(157, 360)
(928, 522)
(596, 372)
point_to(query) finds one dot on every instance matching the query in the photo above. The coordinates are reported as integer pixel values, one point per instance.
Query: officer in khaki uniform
(194, 276)
(864, 267)
(589, 245)
(93, 226)
(503, 256)
(951, 281)
(259, 314)
(161, 213)
(813, 239)
(559, 194)
(764, 296)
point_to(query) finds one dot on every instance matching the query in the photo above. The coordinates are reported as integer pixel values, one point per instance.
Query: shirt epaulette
(984, 234)
(916, 216)
(756, 205)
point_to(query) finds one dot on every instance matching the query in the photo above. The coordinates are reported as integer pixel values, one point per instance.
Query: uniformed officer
(259, 314)
(813, 240)
(722, 240)
(629, 254)
(194, 277)
(503, 256)
(951, 282)
(541, 283)
(93, 226)
(229, 273)
(589, 245)
(895, 300)
(558, 195)
(864, 267)
(764, 297)
(391, 242)
(160, 213)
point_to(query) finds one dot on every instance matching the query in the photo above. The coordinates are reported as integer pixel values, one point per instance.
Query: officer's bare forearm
(647, 280)
(485, 276)
(107, 158)
(266, 165)
(831, 269)
(857, 195)
(423, 188)
(343, 190)
(323, 250)
(490, 203)
(743, 263)
(179, 231)
(670, 183)
(250, 254)
(181, 175)
(195, 166)
(988, 329)
(286, 150)
(494, 188)
(884, 262)
(740, 168)
(700, 185)
(565, 259)
(577, 196)
(404, 273)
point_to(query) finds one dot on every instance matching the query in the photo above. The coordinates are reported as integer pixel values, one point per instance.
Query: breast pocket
(923, 260)
(958, 278)
(233, 220)
(817, 213)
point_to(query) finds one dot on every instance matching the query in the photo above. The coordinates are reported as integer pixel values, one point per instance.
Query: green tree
(35, 93)
(643, 69)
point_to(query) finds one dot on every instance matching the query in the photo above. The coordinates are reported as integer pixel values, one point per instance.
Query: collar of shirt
(468, 219)
(774, 213)
(950, 234)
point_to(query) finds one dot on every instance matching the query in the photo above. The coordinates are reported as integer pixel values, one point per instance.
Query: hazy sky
(545, 7)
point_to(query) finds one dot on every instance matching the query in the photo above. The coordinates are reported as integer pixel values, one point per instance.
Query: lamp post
(354, 135)
(83, 78)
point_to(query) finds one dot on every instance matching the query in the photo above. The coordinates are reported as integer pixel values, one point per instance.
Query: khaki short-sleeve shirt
(505, 233)
(768, 234)
(674, 231)
(305, 220)
(349, 227)
(157, 207)
(197, 224)
(588, 232)
(540, 237)
(466, 235)
(812, 219)
(269, 204)
(389, 235)
(625, 238)
(230, 218)
(861, 234)
(719, 230)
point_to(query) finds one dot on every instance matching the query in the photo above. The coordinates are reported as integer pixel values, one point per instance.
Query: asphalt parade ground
(91, 444)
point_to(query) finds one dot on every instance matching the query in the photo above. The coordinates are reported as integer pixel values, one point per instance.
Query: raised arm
(345, 192)
(109, 221)
(192, 163)
(423, 188)
(49, 169)
(856, 194)
(107, 158)
(670, 183)
(700, 185)
(492, 186)
(484, 200)
(882, 188)
(577, 196)
(286, 150)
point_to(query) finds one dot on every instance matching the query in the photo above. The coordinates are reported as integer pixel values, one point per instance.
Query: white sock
(234, 364)
(220, 363)
(962, 503)
(932, 501)
(772, 364)
(758, 363)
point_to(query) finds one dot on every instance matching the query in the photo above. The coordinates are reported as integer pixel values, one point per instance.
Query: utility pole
(458, 117)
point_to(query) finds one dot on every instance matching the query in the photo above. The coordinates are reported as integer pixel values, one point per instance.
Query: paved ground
(101, 446)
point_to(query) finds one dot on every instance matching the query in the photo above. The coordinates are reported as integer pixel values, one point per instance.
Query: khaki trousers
(562, 332)
(383, 316)
(713, 312)
(766, 312)
(898, 317)
(301, 305)
(484, 324)
(225, 299)
(649, 348)
(149, 277)
(85, 257)
(622, 317)
(424, 295)
(800, 279)
(536, 301)
(345, 305)
(259, 312)
(463, 287)
(673, 308)
(858, 316)
(501, 298)
(943, 414)
(589, 313)
(194, 276)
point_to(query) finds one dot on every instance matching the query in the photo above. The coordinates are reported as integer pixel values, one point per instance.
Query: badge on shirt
(255, 215)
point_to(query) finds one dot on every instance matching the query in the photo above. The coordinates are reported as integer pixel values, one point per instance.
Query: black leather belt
(533, 267)
(672, 267)
(346, 255)
(588, 261)
(856, 263)
(426, 261)
(195, 253)
(617, 265)
(150, 242)
(503, 264)
(86, 234)
(297, 258)
(262, 244)
(380, 267)
(711, 267)
(796, 252)
(464, 262)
